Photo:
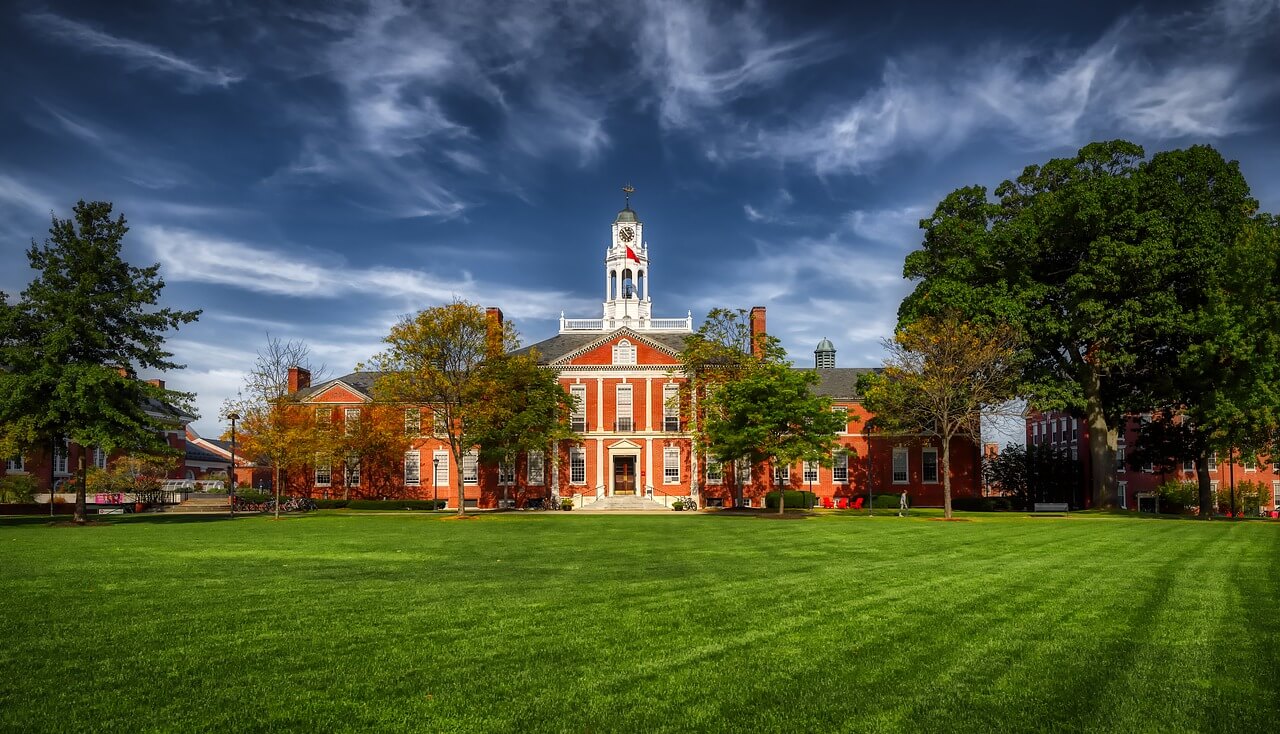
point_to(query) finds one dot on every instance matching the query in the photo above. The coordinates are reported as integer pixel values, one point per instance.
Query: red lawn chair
(857, 504)
(842, 503)
(826, 503)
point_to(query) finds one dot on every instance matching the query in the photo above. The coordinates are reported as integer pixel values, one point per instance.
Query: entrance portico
(624, 466)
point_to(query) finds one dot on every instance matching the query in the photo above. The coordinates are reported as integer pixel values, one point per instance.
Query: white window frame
(624, 353)
(351, 471)
(578, 418)
(781, 474)
(440, 471)
(742, 471)
(624, 408)
(439, 423)
(1122, 489)
(1121, 465)
(1250, 465)
(535, 468)
(671, 465)
(350, 419)
(809, 472)
(577, 466)
(840, 466)
(323, 473)
(937, 465)
(1275, 494)
(16, 465)
(413, 422)
(1213, 461)
(844, 427)
(715, 471)
(1189, 467)
(506, 474)
(671, 407)
(471, 467)
(99, 458)
(61, 455)
(1149, 468)
(1075, 429)
(905, 454)
(412, 469)
(324, 414)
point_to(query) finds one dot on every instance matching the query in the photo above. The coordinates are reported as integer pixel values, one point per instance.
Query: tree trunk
(946, 478)
(276, 482)
(1102, 443)
(1205, 490)
(80, 500)
(462, 496)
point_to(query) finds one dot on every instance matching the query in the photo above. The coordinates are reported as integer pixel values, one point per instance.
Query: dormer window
(624, 352)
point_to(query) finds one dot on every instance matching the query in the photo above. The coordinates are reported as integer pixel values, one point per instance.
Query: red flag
(631, 255)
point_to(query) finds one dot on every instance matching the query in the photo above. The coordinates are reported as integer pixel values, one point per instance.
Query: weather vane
(628, 190)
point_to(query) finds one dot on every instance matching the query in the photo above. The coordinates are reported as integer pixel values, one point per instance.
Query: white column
(599, 466)
(648, 403)
(648, 463)
(600, 404)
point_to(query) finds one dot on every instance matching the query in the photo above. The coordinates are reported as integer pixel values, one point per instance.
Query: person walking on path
(902, 504)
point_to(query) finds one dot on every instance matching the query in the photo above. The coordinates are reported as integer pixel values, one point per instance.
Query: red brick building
(1137, 486)
(624, 369)
(56, 465)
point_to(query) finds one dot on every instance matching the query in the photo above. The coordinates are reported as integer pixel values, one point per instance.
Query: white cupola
(626, 271)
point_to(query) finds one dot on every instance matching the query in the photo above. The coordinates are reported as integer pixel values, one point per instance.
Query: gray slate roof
(839, 382)
(549, 350)
(362, 381)
(195, 453)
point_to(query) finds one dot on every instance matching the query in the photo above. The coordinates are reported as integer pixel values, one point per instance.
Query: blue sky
(317, 170)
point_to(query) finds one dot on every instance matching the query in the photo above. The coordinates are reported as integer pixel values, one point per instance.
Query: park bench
(1051, 507)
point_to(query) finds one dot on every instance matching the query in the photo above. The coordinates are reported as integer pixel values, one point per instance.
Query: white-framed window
(471, 467)
(929, 465)
(1250, 465)
(1075, 429)
(1149, 468)
(1120, 458)
(1275, 495)
(781, 474)
(577, 465)
(99, 458)
(671, 465)
(1188, 466)
(743, 469)
(324, 473)
(439, 423)
(578, 419)
(535, 468)
(16, 465)
(670, 407)
(506, 473)
(624, 413)
(840, 466)
(60, 452)
(1075, 453)
(440, 468)
(715, 471)
(1213, 461)
(624, 352)
(351, 419)
(810, 471)
(900, 465)
(413, 422)
(324, 415)
(1122, 493)
(352, 468)
(412, 468)
(844, 410)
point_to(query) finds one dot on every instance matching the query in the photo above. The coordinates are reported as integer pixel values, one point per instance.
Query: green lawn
(679, 622)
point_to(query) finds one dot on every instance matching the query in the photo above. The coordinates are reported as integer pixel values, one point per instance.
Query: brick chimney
(299, 379)
(156, 382)
(493, 332)
(757, 331)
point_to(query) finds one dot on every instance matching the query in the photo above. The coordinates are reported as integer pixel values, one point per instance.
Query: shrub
(793, 499)
(331, 504)
(18, 488)
(252, 495)
(982, 504)
(394, 504)
(885, 501)
(1176, 496)
(677, 505)
(1250, 497)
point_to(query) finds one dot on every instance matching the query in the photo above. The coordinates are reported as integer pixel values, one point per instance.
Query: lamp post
(231, 480)
(435, 493)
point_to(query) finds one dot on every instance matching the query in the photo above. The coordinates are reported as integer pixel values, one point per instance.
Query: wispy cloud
(929, 102)
(137, 54)
(135, 165)
(197, 257)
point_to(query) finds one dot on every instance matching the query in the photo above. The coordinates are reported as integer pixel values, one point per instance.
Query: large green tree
(437, 357)
(517, 407)
(749, 403)
(1100, 260)
(74, 339)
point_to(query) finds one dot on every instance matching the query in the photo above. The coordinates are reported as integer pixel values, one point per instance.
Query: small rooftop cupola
(824, 357)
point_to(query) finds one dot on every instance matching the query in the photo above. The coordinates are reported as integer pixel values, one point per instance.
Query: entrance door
(624, 475)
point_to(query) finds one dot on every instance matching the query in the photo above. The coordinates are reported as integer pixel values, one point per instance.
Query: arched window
(628, 285)
(191, 474)
(624, 352)
(641, 289)
(613, 284)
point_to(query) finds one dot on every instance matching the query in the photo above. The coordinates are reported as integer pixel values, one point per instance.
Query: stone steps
(625, 503)
(198, 503)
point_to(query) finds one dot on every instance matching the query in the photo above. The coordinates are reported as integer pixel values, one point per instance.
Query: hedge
(331, 504)
(252, 495)
(982, 504)
(396, 505)
(794, 498)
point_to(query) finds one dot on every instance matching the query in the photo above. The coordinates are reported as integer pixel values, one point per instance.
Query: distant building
(624, 369)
